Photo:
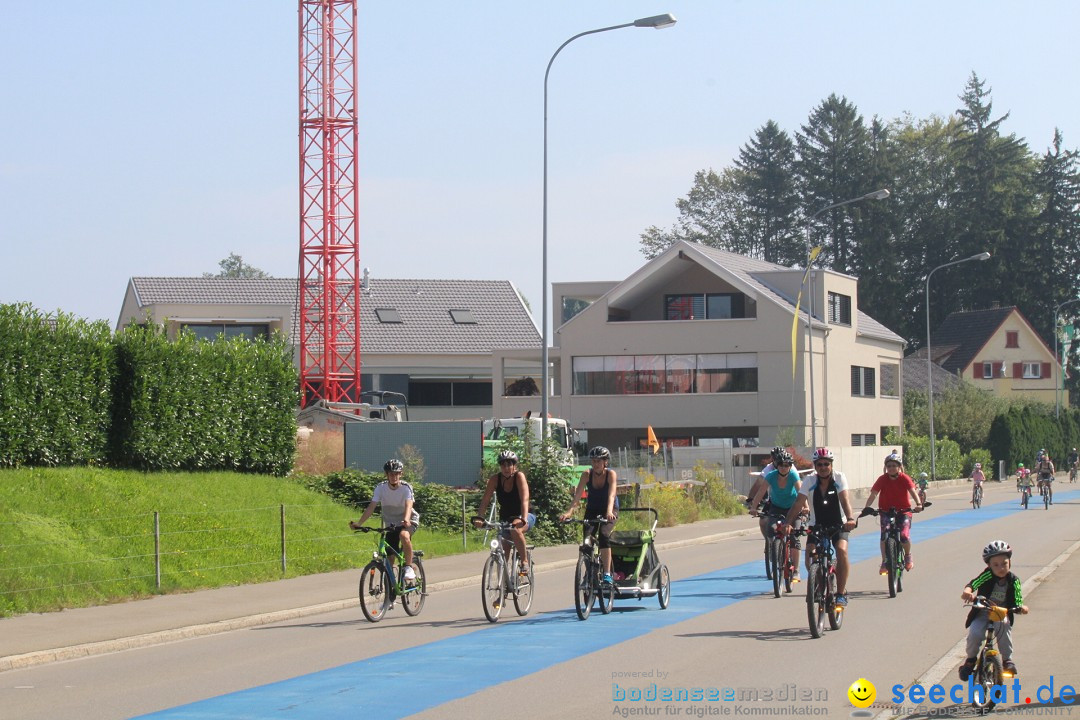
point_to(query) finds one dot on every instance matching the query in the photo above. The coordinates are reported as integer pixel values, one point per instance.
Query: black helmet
(393, 465)
(775, 453)
(783, 457)
(599, 453)
(508, 456)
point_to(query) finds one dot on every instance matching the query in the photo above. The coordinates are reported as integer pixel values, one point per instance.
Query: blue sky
(154, 138)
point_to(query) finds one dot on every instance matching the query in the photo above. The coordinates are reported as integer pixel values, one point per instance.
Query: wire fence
(48, 563)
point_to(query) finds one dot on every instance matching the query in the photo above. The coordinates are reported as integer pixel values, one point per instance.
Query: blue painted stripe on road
(404, 683)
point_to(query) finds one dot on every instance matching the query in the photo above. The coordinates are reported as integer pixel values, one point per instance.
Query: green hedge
(948, 460)
(194, 405)
(1016, 436)
(56, 375)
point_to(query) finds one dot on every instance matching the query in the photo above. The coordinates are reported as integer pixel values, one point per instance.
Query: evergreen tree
(766, 180)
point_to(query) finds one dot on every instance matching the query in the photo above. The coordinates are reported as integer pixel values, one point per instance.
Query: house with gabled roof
(430, 340)
(698, 344)
(998, 350)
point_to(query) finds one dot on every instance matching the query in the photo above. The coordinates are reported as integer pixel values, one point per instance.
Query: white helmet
(996, 547)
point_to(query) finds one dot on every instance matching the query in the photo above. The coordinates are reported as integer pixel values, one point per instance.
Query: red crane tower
(329, 301)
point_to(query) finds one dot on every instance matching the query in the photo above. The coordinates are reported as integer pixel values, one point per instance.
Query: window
(664, 374)
(712, 306)
(862, 381)
(388, 315)
(987, 370)
(890, 379)
(1012, 339)
(449, 393)
(463, 317)
(1032, 371)
(211, 331)
(861, 440)
(572, 306)
(839, 309)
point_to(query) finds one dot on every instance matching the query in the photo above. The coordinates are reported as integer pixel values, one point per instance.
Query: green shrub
(979, 455)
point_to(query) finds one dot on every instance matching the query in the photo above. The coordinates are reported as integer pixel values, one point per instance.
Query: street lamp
(1061, 369)
(929, 355)
(656, 21)
(876, 195)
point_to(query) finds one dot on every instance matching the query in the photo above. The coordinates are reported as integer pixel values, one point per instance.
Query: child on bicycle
(396, 498)
(978, 478)
(922, 482)
(897, 490)
(997, 585)
(601, 502)
(1024, 482)
(511, 488)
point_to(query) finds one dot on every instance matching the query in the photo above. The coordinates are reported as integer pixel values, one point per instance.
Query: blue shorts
(529, 522)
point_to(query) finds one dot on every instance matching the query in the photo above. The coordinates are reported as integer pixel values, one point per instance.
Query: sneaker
(966, 669)
(523, 570)
(840, 601)
(606, 580)
(884, 569)
(410, 574)
(1009, 669)
(909, 564)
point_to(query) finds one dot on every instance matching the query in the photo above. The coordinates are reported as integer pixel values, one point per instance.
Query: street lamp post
(656, 21)
(929, 357)
(1059, 386)
(876, 195)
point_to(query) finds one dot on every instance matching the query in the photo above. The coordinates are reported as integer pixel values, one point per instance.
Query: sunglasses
(783, 464)
(822, 463)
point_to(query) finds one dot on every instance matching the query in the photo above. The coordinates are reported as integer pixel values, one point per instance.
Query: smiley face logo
(862, 693)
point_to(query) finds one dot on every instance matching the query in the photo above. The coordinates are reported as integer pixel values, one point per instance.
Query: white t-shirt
(392, 501)
(809, 485)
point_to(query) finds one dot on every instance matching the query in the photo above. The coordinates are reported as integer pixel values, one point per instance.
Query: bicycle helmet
(893, 457)
(923, 476)
(508, 456)
(996, 547)
(775, 453)
(1021, 465)
(393, 465)
(599, 453)
(823, 454)
(978, 466)
(783, 457)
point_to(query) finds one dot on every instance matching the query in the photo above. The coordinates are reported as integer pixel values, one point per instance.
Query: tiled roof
(969, 331)
(746, 268)
(914, 369)
(427, 326)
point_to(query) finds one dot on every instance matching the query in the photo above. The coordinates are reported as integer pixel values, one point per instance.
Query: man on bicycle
(511, 489)
(396, 498)
(977, 478)
(1044, 470)
(897, 490)
(782, 484)
(825, 491)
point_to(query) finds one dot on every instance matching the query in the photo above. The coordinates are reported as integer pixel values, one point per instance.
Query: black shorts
(393, 539)
(603, 539)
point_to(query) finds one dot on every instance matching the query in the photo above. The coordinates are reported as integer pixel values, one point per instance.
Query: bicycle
(1044, 492)
(895, 557)
(1025, 496)
(988, 670)
(782, 550)
(1072, 473)
(976, 497)
(380, 587)
(821, 581)
(588, 575)
(501, 576)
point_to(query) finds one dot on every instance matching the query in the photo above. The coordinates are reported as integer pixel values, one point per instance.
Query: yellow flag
(798, 301)
(652, 442)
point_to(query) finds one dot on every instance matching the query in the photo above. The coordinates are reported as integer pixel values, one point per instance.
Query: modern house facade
(699, 345)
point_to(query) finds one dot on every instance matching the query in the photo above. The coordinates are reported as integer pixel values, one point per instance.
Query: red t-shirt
(894, 493)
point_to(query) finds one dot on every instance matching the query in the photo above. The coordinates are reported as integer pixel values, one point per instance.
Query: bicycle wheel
(1046, 499)
(415, 593)
(976, 499)
(790, 553)
(768, 561)
(815, 600)
(664, 596)
(776, 552)
(1024, 500)
(606, 593)
(583, 589)
(891, 559)
(374, 591)
(987, 674)
(524, 595)
(836, 612)
(493, 586)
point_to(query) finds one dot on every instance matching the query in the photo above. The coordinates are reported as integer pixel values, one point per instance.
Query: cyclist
(1000, 587)
(511, 488)
(396, 498)
(1021, 473)
(897, 490)
(1023, 480)
(1044, 469)
(1074, 464)
(783, 485)
(922, 482)
(825, 492)
(759, 481)
(977, 478)
(602, 501)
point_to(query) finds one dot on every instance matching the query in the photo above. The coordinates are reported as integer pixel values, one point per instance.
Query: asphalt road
(723, 630)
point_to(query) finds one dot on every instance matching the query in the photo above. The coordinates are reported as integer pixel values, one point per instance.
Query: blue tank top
(782, 497)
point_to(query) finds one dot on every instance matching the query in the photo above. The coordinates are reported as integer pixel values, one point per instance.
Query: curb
(101, 647)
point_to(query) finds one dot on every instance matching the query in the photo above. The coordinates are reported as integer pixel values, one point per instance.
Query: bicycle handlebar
(586, 521)
(382, 530)
(485, 525)
(892, 511)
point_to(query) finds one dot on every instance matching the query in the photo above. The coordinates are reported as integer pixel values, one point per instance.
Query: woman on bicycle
(396, 498)
(511, 488)
(782, 484)
(978, 478)
(1000, 587)
(601, 502)
(825, 492)
(897, 490)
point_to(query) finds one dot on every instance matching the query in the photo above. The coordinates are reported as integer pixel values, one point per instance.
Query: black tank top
(509, 500)
(596, 504)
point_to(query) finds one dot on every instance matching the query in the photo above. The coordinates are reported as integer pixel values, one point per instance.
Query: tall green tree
(235, 267)
(767, 182)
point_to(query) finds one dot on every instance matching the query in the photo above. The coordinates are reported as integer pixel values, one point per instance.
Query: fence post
(157, 550)
(283, 565)
(464, 537)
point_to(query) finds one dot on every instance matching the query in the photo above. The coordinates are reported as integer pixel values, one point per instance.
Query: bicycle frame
(821, 579)
(988, 670)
